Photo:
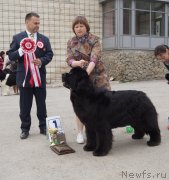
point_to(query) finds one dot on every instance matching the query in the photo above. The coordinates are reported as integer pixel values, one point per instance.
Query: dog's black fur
(101, 110)
(11, 80)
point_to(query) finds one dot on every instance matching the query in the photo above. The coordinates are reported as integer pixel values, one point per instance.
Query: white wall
(56, 17)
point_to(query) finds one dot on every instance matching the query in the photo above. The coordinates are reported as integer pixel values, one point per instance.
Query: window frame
(111, 13)
(133, 41)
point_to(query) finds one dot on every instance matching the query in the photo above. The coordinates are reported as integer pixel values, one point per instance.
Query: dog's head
(74, 78)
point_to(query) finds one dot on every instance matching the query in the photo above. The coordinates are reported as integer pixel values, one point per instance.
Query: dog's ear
(79, 79)
(84, 84)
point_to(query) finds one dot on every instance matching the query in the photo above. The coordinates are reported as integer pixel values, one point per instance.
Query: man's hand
(37, 62)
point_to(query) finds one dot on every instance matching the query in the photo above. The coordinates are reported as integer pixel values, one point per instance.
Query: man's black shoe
(43, 131)
(24, 135)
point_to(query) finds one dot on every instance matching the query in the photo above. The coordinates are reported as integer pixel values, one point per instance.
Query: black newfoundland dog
(101, 110)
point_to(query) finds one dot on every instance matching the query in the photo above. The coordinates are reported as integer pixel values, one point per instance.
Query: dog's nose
(65, 80)
(63, 77)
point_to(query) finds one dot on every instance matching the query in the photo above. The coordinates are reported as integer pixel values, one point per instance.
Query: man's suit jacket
(45, 54)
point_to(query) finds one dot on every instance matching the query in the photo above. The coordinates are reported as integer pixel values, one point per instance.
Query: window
(109, 19)
(143, 4)
(158, 6)
(150, 15)
(127, 17)
(158, 18)
(142, 22)
(127, 4)
(126, 21)
(157, 24)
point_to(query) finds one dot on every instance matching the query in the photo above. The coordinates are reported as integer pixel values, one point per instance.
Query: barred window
(135, 23)
(150, 16)
(142, 23)
(157, 24)
(142, 17)
(127, 17)
(109, 19)
(143, 4)
(158, 18)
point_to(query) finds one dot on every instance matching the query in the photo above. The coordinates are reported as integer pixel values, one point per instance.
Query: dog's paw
(99, 153)
(153, 143)
(88, 148)
(136, 136)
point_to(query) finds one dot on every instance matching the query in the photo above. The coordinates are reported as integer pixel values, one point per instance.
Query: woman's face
(80, 29)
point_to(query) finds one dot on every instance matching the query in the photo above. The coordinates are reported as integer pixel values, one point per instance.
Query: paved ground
(32, 159)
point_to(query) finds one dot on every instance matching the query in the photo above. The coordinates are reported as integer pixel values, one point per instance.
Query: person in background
(12, 66)
(30, 83)
(161, 52)
(5, 89)
(2, 56)
(84, 50)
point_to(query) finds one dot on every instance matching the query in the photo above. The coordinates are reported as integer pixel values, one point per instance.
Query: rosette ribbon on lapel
(29, 46)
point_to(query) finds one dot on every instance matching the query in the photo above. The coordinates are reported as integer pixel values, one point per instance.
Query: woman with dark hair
(2, 55)
(84, 50)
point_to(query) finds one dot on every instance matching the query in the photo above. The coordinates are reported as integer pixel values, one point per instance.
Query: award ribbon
(28, 46)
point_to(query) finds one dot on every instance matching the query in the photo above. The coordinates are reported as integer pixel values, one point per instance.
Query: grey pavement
(32, 159)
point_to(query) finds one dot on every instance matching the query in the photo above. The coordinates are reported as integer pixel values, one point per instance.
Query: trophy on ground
(57, 136)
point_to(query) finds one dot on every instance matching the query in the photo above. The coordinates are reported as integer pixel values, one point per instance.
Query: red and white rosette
(40, 44)
(29, 46)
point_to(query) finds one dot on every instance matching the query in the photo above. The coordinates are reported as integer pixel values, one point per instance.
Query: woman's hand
(90, 67)
(80, 63)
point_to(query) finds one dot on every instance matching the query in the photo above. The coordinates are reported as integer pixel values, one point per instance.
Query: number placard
(53, 122)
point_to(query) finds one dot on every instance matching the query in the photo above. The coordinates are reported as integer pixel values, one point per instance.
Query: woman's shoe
(80, 138)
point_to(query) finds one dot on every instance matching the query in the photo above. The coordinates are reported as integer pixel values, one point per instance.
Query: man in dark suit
(25, 74)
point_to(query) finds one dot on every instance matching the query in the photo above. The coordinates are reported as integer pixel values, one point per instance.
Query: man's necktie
(32, 36)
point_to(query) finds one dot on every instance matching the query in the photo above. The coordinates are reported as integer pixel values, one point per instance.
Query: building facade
(135, 24)
(129, 31)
